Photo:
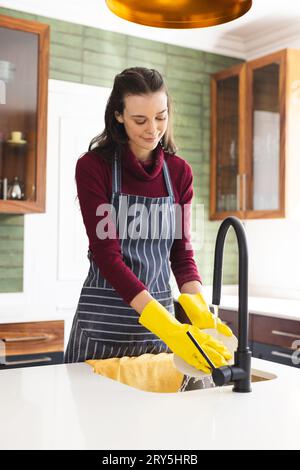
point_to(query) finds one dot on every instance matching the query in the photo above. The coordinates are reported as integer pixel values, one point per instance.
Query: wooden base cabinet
(276, 339)
(276, 354)
(31, 344)
(270, 338)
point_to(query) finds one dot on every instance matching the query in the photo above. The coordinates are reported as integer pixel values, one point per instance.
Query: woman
(130, 174)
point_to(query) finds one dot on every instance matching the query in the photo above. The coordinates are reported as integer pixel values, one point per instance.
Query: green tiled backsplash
(94, 56)
(11, 252)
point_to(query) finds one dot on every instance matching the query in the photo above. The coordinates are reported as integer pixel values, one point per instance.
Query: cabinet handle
(24, 338)
(283, 333)
(244, 176)
(280, 354)
(238, 191)
(27, 361)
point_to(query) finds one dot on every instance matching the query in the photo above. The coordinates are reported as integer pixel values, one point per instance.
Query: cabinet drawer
(276, 354)
(276, 331)
(32, 337)
(30, 360)
(230, 317)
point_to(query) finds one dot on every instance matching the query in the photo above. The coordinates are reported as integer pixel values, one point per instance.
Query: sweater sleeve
(92, 192)
(182, 260)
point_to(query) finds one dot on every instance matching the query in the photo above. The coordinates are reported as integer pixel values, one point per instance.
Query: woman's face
(145, 119)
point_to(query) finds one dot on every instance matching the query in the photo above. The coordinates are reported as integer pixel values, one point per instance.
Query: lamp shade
(179, 14)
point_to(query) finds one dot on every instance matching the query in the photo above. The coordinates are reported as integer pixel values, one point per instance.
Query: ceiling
(269, 25)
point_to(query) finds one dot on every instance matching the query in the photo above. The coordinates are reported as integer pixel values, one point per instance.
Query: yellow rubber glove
(163, 324)
(197, 309)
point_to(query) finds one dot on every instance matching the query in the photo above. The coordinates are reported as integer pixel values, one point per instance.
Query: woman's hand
(197, 309)
(162, 323)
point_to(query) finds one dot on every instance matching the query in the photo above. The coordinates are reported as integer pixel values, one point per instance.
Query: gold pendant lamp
(179, 14)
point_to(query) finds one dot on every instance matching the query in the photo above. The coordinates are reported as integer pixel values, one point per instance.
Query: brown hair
(134, 81)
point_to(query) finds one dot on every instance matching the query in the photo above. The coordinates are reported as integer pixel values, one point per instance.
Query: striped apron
(104, 325)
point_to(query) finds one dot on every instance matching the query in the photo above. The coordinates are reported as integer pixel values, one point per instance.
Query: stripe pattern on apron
(104, 325)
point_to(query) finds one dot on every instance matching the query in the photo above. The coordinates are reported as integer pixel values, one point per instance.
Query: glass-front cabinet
(226, 140)
(248, 139)
(24, 57)
(265, 165)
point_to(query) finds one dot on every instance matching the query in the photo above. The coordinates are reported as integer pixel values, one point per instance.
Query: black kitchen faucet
(240, 372)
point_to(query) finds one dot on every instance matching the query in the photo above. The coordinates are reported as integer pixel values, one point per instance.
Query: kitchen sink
(160, 374)
(192, 383)
(261, 376)
(186, 383)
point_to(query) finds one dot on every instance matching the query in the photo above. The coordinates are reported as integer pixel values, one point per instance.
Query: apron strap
(168, 180)
(116, 175)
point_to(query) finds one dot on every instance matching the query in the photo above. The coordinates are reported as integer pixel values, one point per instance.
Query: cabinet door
(24, 57)
(227, 142)
(276, 331)
(264, 176)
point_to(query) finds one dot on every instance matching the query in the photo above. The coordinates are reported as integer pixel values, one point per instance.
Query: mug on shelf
(16, 138)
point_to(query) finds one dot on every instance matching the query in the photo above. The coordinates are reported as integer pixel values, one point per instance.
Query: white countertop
(67, 406)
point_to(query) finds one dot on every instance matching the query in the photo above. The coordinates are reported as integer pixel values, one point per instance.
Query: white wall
(274, 257)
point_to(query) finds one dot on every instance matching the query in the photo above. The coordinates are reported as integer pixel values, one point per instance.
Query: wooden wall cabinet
(24, 62)
(255, 121)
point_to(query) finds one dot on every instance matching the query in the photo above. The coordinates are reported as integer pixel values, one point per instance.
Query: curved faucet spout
(243, 354)
(243, 273)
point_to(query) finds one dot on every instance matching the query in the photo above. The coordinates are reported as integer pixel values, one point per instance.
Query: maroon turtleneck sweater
(94, 187)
